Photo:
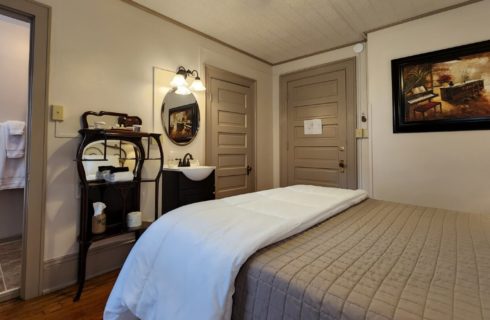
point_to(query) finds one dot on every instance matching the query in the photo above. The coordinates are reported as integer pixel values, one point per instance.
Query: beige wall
(102, 58)
(14, 68)
(316, 60)
(443, 169)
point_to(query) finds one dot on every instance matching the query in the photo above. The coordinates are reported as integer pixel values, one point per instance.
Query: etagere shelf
(120, 197)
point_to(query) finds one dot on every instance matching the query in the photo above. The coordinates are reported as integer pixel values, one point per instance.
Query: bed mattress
(376, 260)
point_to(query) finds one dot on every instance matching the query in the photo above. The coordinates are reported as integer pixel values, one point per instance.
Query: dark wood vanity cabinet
(178, 190)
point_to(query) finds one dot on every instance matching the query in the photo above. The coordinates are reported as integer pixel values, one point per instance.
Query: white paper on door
(313, 126)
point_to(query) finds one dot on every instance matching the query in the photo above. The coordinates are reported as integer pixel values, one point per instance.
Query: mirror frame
(165, 121)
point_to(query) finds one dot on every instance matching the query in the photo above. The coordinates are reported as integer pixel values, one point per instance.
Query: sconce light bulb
(197, 85)
(178, 81)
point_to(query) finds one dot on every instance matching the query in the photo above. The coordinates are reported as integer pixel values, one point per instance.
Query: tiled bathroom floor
(10, 265)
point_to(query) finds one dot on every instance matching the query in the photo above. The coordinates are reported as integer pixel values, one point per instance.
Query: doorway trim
(39, 16)
(351, 105)
(215, 72)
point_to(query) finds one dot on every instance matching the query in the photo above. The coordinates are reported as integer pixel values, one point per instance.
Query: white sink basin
(194, 173)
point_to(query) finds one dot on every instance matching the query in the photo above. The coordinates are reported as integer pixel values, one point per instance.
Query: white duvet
(184, 266)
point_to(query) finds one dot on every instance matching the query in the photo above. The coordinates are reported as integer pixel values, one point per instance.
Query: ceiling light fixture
(179, 81)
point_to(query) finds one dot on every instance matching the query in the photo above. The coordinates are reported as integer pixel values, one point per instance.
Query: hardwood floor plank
(60, 305)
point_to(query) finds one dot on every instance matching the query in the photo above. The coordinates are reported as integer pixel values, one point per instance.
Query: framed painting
(182, 123)
(445, 90)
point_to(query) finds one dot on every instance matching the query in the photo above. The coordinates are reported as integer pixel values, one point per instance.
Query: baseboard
(12, 238)
(9, 294)
(61, 272)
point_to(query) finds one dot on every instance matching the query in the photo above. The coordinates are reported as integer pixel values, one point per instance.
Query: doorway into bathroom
(24, 34)
(14, 97)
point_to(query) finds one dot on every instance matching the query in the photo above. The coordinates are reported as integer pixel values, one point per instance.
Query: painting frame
(406, 120)
(190, 113)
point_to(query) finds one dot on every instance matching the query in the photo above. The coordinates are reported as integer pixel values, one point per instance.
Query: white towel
(16, 127)
(15, 139)
(119, 176)
(12, 171)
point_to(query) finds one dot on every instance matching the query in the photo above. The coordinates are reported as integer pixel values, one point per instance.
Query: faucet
(186, 160)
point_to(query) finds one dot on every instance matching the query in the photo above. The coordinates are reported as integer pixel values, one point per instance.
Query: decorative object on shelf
(110, 165)
(115, 119)
(180, 117)
(442, 90)
(179, 81)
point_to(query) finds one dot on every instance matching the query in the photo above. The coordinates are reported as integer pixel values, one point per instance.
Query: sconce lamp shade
(178, 81)
(197, 85)
(182, 90)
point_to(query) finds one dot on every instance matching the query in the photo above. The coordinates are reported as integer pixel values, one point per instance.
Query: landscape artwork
(444, 90)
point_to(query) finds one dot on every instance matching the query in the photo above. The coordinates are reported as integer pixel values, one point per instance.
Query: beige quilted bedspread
(377, 260)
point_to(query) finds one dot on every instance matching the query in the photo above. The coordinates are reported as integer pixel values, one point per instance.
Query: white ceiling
(280, 30)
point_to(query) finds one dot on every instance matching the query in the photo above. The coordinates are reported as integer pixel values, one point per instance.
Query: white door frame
(39, 16)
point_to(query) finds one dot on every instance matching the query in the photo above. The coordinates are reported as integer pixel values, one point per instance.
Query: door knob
(249, 168)
(341, 166)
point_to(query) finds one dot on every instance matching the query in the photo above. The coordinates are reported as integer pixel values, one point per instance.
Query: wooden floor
(60, 305)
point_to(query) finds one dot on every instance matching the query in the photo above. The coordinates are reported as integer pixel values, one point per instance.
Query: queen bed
(345, 258)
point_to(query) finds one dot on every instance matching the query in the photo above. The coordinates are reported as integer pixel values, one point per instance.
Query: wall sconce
(179, 81)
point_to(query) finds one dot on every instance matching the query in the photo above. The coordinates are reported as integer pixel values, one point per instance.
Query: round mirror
(180, 117)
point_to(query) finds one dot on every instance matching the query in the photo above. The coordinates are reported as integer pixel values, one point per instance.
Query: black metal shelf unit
(120, 197)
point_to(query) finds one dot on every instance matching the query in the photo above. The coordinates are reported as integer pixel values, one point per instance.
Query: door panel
(325, 93)
(230, 139)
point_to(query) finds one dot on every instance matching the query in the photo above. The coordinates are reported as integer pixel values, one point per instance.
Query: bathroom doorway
(14, 97)
(24, 34)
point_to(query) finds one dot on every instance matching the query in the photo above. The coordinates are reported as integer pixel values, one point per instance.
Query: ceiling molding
(420, 16)
(363, 35)
(188, 28)
(319, 52)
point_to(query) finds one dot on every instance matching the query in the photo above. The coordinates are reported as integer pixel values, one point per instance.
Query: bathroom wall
(102, 57)
(14, 66)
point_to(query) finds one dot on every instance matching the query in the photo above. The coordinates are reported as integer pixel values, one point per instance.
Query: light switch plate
(57, 113)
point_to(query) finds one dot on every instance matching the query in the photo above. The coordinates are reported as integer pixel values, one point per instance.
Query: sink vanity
(186, 185)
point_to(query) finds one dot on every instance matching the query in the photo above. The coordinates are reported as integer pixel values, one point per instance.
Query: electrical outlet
(57, 113)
